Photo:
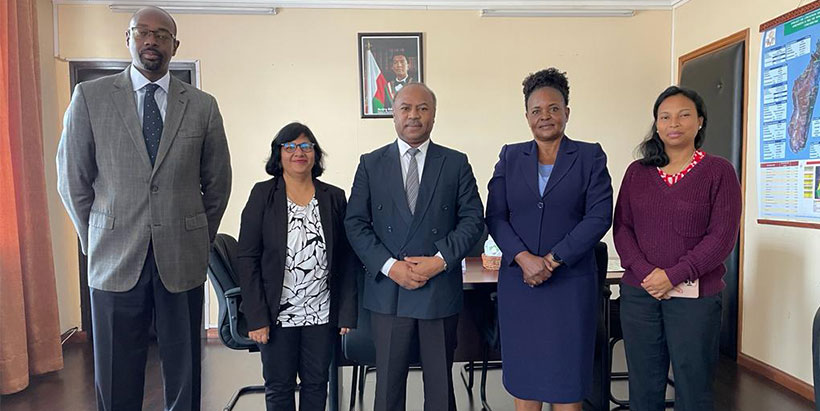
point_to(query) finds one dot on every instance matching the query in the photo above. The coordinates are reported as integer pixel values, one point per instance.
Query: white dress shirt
(404, 158)
(138, 81)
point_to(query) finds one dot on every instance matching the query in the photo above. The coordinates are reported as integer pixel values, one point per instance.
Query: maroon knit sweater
(687, 229)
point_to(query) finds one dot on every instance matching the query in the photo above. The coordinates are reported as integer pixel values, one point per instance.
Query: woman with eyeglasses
(297, 271)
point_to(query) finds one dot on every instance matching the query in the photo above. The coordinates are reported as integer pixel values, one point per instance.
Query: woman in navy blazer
(549, 203)
(297, 271)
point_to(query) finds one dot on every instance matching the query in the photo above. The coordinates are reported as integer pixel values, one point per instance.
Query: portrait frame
(378, 73)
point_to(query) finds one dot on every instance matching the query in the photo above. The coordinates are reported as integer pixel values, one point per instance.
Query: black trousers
(121, 321)
(305, 351)
(395, 338)
(683, 330)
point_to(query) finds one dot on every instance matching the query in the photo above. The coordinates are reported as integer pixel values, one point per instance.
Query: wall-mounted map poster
(789, 119)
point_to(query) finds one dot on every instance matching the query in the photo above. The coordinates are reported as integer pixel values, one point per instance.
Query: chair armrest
(232, 299)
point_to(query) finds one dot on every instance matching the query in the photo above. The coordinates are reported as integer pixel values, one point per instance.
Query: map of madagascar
(804, 95)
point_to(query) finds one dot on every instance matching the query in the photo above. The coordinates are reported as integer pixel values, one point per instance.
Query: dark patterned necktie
(151, 122)
(411, 182)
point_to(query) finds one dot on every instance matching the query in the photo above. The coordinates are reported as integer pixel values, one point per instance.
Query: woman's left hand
(344, 330)
(657, 283)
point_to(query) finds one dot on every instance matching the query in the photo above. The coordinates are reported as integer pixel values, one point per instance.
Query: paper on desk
(613, 265)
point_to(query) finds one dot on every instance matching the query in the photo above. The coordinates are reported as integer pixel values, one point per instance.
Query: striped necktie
(411, 182)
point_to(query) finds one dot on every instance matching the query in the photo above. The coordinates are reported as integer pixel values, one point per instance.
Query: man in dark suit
(144, 173)
(414, 213)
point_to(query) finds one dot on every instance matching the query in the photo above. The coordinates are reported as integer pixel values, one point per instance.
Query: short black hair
(550, 77)
(287, 134)
(651, 150)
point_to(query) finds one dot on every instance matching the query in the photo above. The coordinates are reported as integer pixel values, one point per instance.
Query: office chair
(598, 397)
(233, 330)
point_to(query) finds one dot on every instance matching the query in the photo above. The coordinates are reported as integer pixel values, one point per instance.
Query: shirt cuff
(388, 265)
(438, 254)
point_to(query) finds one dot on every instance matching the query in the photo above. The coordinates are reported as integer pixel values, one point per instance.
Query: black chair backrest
(223, 278)
(601, 261)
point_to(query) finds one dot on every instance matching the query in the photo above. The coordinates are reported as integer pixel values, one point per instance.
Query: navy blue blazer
(571, 216)
(448, 219)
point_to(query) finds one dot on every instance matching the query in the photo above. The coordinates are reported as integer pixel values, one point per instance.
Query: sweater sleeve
(623, 230)
(721, 233)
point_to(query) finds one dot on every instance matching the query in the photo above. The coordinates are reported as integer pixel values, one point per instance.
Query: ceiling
(514, 8)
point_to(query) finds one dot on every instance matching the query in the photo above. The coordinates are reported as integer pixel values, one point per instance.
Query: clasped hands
(414, 272)
(657, 284)
(535, 269)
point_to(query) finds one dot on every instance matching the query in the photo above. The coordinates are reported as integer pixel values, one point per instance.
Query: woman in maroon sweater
(676, 221)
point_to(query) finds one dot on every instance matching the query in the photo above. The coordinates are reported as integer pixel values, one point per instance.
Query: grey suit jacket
(119, 203)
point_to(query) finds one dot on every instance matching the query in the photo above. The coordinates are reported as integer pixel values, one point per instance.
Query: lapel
(325, 213)
(567, 154)
(529, 167)
(174, 110)
(279, 210)
(392, 169)
(427, 187)
(123, 96)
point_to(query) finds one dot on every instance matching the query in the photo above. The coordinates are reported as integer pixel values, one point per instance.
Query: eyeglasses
(291, 147)
(162, 36)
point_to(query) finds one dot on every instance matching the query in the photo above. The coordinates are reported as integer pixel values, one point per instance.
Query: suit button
(389, 229)
(445, 207)
(379, 207)
(434, 231)
(154, 189)
(540, 204)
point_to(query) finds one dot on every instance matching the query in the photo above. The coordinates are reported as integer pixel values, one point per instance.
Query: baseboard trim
(77, 337)
(779, 377)
(212, 333)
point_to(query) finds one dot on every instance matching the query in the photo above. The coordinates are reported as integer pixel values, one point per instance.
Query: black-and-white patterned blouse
(305, 292)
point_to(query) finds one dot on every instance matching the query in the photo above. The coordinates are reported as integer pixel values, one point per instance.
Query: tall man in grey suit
(414, 213)
(144, 173)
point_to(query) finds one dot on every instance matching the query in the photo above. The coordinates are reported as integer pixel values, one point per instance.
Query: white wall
(302, 65)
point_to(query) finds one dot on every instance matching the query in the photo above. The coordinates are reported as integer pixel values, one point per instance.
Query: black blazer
(448, 219)
(263, 247)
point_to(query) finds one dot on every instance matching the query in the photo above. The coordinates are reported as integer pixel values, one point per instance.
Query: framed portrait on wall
(387, 62)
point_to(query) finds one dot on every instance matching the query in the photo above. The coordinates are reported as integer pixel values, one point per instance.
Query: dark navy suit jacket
(571, 216)
(448, 219)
